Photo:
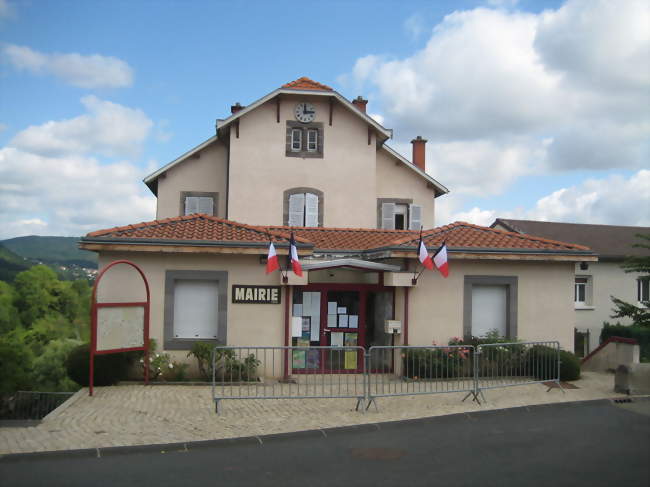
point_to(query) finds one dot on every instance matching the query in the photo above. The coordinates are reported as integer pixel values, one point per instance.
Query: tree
(9, 318)
(640, 264)
(35, 293)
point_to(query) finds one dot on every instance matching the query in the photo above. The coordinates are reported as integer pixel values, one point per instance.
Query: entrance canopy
(351, 263)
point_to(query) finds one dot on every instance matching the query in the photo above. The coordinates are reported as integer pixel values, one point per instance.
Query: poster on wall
(296, 326)
(353, 321)
(299, 359)
(336, 339)
(331, 308)
(343, 321)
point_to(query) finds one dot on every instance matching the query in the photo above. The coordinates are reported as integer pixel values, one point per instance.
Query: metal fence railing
(519, 363)
(288, 372)
(412, 370)
(31, 405)
(380, 371)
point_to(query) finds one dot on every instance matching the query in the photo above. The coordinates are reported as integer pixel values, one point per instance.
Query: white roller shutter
(311, 210)
(388, 216)
(415, 217)
(196, 309)
(296, 210)
(489, 308)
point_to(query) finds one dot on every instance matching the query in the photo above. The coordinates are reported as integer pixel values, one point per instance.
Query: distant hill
(11, 264)
(60, 253)
(59, 250)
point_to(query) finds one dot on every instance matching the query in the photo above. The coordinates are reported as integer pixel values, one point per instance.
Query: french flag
(423, 255)
(293, 255)
(272, 263)
(440, 260)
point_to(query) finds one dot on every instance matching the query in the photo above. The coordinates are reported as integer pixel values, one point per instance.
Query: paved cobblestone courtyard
(138, 415)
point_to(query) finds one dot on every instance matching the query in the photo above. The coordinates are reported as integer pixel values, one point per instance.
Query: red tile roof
(305, 83)
(457, 235)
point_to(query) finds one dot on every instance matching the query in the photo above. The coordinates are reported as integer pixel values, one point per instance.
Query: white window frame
(296, 136)
(580, 287)
(310, 201)
(312, 145)
(643, 289)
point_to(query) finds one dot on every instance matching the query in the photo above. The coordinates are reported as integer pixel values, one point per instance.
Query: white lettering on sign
(255, 294)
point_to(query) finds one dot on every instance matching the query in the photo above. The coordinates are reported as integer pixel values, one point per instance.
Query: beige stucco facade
(251, 170)
(605, 279)
(436, 306)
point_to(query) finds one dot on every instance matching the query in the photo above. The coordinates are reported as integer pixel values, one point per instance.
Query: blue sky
(532, 109)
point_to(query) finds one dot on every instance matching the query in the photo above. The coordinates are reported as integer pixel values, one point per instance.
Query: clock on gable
(305, 112)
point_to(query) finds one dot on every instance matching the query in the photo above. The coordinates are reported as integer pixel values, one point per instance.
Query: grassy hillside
(51, 250)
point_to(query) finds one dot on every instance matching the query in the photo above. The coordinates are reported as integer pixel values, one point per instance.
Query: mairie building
(304, 160)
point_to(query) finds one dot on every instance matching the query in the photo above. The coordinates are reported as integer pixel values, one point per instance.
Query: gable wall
(396, 181)
(205, 174)
(260, 171)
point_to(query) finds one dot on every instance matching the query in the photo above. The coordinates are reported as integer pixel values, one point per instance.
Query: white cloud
(414, 26)
(500, 94)
(108, 129)
(68, 195)
(52, 182)
(615, 200)
(92, 71)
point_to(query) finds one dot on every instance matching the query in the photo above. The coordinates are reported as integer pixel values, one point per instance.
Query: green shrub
(640, 333)
(50, 372)
(109, 368)
(202, 351)
(440, 363)
(231, 369)
(542, 363)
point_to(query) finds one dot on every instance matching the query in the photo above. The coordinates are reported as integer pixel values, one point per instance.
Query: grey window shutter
(311, 210)
(388, 216)
(415, 217)
(191, 205)
(296, 210)
(206, 205)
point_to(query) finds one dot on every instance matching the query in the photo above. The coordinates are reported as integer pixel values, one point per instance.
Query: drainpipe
(406, 316)
(287, 323)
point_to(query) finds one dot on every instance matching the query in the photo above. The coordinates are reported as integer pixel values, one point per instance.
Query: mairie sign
(255, 294)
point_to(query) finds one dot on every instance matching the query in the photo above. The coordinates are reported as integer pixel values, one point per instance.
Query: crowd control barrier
(380, 371)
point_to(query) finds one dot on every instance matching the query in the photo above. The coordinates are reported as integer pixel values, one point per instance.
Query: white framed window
(303, 210)
(580, 291)
(643, 289)
(296, 140)
(312, 140)
(400, 216)
(199, 204)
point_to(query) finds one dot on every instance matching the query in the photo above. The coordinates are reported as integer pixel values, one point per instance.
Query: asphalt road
(590, 443)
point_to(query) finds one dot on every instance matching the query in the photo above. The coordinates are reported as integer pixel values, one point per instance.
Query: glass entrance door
(343, 327)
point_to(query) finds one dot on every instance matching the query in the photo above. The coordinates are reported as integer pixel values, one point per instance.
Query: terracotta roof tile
(466, 235)
(305, 83)
(457, 235)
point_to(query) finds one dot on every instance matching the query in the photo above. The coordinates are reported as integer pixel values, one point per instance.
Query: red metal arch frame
(93, 328)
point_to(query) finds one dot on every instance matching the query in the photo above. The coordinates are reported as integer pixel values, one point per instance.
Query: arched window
(303, 207)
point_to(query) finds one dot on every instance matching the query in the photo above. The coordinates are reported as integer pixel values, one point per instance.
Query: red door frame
(363, 290)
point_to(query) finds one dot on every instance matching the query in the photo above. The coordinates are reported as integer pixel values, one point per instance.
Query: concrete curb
(261, 440)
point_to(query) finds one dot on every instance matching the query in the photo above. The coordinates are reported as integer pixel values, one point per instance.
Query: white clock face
(305, 112)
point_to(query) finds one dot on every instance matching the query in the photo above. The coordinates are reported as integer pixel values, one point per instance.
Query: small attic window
(199, 202)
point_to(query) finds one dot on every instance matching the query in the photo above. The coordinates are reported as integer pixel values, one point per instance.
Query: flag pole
(414, 280)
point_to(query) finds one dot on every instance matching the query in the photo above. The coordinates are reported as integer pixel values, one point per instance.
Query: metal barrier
(519, 363)
(288, 373)
(413, 370)
(382, 371)
(32, 405)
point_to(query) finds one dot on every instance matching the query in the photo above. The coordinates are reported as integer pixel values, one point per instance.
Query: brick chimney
(360, 103)
(419, 152)
(236, 107)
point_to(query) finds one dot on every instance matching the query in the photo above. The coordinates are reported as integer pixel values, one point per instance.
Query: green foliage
(109, 368)
(35, 290)
(639, 316)
(49, 368)
(438, 363)
(228, 368)
(542, 362)
(9, 318)
(640, 333)
(11, 264)
(15, 365)
(202, 351)
(641, 264)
